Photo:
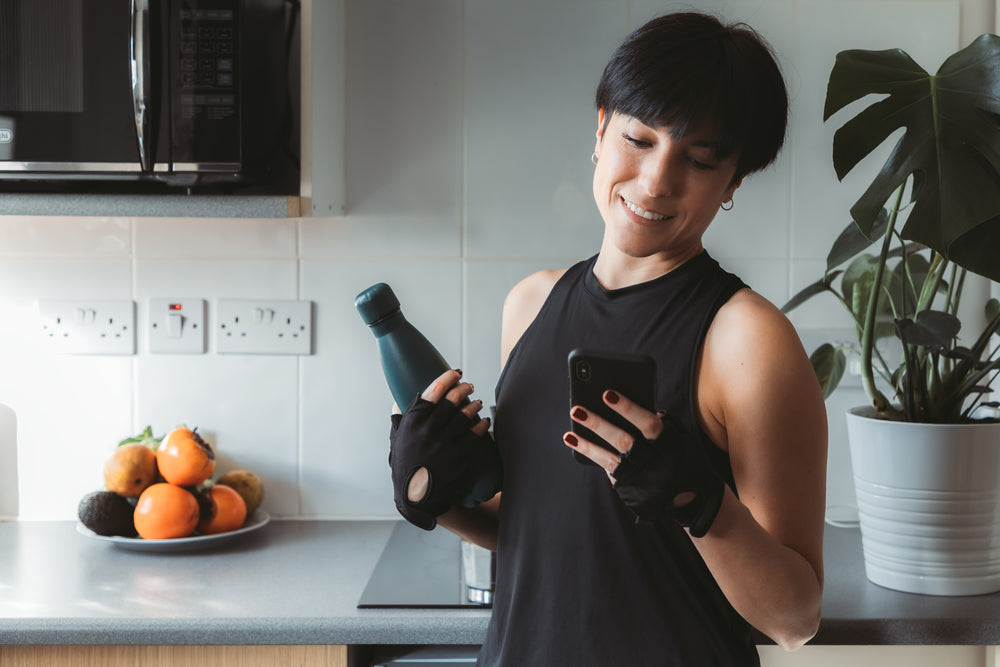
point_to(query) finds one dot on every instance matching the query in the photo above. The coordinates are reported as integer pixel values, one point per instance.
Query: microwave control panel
(205, 85)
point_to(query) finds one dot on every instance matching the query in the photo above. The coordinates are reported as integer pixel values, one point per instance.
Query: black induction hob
(419, 569)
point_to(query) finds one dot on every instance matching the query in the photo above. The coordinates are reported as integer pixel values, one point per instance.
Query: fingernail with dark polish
(571, 440)
(458, 370)
(611, 397)
(579, 413)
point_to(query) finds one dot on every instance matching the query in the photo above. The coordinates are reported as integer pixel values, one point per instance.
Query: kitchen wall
(469, 132)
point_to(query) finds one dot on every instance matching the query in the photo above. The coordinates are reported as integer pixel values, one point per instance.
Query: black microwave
(178, 93)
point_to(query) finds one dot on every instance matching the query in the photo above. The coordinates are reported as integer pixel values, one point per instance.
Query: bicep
(776, 428)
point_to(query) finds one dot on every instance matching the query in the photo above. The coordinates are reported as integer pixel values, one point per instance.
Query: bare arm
(479, 524)
(758, 398)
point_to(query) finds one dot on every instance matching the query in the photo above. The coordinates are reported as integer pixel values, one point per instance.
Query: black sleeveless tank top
(578, 582)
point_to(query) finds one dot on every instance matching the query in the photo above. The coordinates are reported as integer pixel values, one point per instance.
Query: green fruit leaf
(951, 145)
(146, 438)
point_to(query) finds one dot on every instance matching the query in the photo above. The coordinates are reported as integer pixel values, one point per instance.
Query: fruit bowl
(259, 519)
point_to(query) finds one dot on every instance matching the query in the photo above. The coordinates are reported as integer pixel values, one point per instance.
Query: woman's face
(658, 195)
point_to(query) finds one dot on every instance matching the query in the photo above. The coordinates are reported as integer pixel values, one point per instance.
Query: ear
(737, 182)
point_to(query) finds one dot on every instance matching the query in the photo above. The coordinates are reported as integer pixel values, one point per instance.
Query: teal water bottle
(410, 363)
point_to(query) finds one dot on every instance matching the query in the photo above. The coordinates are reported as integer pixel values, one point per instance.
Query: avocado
(107, 513)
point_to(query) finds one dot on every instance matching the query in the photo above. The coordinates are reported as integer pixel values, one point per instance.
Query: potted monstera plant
(926, 451)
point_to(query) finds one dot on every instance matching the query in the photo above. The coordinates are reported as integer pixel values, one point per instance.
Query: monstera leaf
(951, 145)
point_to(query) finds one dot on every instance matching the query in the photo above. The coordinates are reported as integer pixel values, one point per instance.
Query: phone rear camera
(583, 370)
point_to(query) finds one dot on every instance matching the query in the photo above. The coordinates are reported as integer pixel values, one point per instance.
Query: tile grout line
(135, 298)
(298, 378)
(463, 192)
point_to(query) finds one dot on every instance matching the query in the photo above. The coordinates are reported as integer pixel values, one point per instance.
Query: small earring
(593, 158)
(727, 208)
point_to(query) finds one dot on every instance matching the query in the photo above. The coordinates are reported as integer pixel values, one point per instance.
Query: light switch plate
(84, 326)
(176, 326)
(260, 326)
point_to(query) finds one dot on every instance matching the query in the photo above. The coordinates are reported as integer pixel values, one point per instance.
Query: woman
(676, 543)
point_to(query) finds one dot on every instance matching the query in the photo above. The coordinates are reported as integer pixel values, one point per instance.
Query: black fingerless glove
(462, 467)
(653, 473)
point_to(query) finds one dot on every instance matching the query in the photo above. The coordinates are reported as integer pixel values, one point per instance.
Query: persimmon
(184, 458)
(222, 510)
(166, 511)
(130, 470)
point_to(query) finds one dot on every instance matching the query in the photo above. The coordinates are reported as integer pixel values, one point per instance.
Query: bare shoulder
(747, 319)
(752, 356)
(521, 307)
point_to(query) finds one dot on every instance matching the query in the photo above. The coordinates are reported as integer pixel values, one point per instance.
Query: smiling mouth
(643, 213)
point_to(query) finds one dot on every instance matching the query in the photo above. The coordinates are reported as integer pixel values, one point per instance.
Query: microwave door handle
(139, 42)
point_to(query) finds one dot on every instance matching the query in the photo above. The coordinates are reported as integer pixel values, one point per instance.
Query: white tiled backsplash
(470, 128)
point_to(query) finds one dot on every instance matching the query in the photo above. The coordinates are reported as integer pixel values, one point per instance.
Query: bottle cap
(376, 302)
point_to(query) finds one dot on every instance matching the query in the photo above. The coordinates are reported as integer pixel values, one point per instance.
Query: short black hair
(680, 70)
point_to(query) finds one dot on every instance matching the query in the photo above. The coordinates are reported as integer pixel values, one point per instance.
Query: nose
(656, 176)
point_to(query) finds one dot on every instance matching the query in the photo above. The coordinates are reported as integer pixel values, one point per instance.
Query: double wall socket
(88, 327)
(252, 326)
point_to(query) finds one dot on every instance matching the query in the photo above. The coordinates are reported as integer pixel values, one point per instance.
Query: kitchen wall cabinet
(173, 656)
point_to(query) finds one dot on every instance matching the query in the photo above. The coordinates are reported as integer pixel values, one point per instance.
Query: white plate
(259, 519)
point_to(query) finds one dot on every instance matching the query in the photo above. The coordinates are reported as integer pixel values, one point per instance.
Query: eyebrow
(715, 145)
(711, 144)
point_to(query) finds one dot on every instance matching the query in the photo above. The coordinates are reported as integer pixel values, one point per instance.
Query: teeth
(638, 210)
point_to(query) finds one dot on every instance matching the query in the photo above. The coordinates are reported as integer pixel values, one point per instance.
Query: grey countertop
(298, 582)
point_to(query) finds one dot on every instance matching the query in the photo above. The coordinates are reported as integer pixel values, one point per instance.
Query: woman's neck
(615, 269)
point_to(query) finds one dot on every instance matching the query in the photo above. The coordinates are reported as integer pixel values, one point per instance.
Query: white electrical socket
(176, 326)
(257, 326)
(88, 326)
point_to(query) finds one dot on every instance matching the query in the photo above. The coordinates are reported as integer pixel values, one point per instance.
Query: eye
(638, 143)
(701, 165)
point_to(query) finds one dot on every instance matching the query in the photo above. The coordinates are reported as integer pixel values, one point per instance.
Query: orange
(130, 470)
(185, 458)
(222, 510)
(166, 511)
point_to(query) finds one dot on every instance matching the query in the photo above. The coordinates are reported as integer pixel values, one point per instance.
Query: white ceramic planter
(929, 504)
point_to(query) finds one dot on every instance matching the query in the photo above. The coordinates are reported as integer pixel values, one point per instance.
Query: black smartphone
(592, 372)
